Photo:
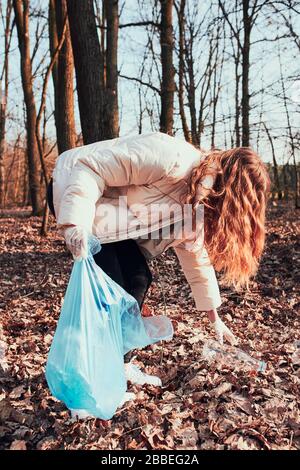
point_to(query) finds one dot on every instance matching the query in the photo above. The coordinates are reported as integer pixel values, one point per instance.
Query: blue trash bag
(98, 324)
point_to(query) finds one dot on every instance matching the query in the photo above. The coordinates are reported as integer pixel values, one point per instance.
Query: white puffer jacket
(145, 170)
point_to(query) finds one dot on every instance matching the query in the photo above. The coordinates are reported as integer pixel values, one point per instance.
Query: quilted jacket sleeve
(139, 160)
(77, 203)
(201, 277)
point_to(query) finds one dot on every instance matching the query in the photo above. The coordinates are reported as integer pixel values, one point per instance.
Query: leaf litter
(200, 406)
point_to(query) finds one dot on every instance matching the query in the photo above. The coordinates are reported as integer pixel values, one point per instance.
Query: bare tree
(62, 74)
(2, 145)
(290, 15)
(250, 11)
(247, 26)
(87, 59)
(181, 67)
(4, 84)
(217, 72)
(198, 86)
(236, 52)
(290, 132)
(168, 82)
(275, 165)
(41, 140)
(110, 96)
(149, 76)
(21, 9)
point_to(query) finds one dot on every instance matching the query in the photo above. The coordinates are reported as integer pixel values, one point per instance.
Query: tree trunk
(62, 75)
(237, 99)
(110, 101)
(275, 166)
(217, 69)
(192, 100)
(3, 97)
(87, 58)
(181, 68)
(21, 9)
(290, 134)
(2, 147)
(245, 75)
(285, 182)
(168, 83)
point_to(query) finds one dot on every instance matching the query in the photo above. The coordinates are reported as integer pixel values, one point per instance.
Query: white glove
(222, 331)
(77, 241)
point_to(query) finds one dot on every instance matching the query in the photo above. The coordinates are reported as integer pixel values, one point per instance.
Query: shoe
(136, 376)
(80, 414)
(128, 396)
(84, 414)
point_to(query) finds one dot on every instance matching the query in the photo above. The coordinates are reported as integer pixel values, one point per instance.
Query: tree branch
(141, 82)
(230, 25)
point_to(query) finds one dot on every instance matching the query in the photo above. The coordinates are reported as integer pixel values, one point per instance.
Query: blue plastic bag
(98, 324)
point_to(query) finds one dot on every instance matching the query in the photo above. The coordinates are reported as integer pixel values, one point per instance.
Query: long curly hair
(234, 210)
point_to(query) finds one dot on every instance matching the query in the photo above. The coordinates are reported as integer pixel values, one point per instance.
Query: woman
(135, 194)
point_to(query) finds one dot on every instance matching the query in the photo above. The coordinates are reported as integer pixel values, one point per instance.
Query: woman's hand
(77, 241)
(221, 330)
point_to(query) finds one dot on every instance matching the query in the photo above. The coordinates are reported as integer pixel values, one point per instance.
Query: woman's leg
(107, 259)
(137, 276)
(49, 196)
(125, 264)
(136, 273)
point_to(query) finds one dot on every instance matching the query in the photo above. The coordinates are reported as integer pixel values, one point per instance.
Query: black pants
(125, 264)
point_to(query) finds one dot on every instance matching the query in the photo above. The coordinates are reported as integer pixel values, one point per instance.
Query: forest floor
(200, 406)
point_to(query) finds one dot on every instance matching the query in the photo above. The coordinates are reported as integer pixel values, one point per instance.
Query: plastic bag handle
(94, 245)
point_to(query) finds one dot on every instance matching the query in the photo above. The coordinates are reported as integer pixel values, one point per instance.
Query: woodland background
(219, 73)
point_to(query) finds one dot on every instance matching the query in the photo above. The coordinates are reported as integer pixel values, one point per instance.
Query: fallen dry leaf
(200, 406)
(18, 445)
